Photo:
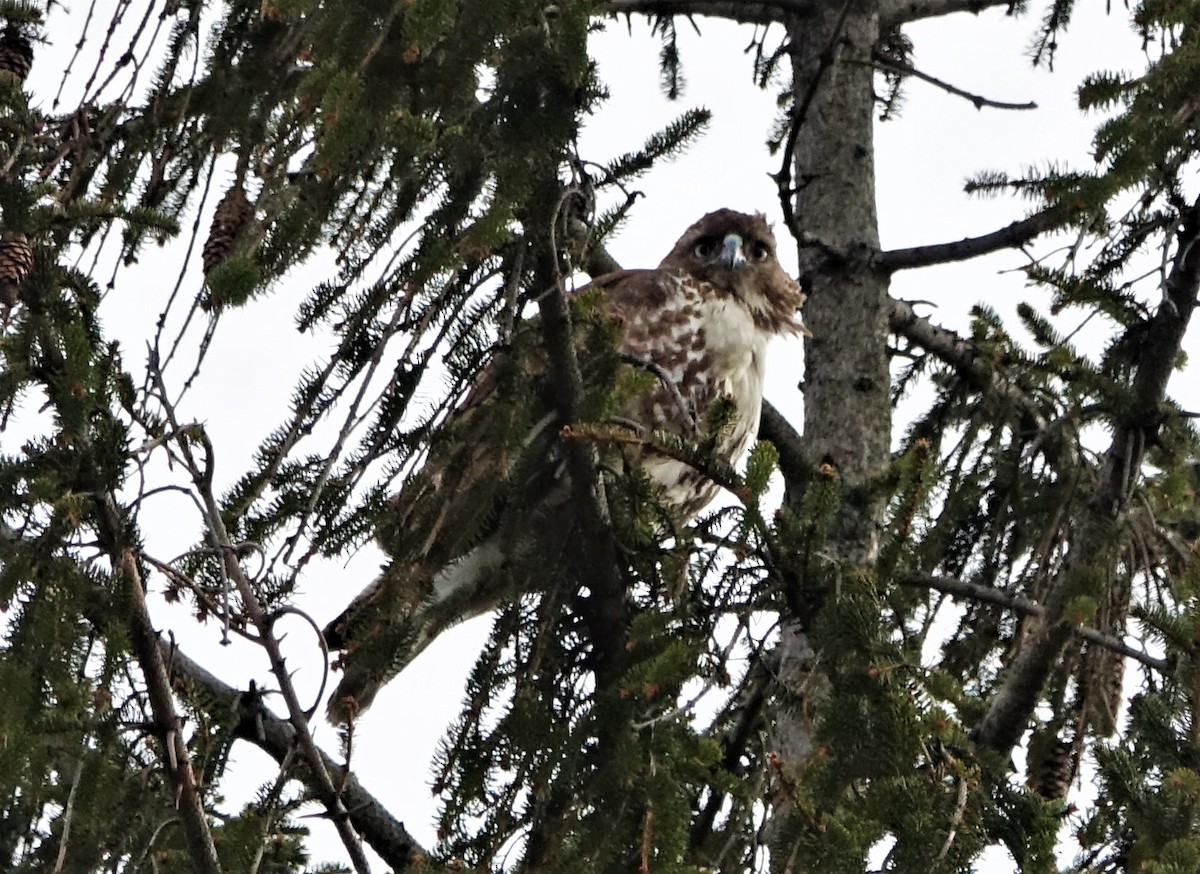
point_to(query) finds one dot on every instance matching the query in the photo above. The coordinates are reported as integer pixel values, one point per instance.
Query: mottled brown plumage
(700, 322)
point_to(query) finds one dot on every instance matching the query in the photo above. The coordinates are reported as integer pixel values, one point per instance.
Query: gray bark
(847, 416)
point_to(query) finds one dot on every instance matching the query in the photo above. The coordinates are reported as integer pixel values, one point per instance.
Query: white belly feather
(734, 358)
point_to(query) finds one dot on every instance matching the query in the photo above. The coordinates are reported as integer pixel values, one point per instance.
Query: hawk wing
(493, 474)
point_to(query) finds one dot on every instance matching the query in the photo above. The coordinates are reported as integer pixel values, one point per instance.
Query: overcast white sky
(922, 160)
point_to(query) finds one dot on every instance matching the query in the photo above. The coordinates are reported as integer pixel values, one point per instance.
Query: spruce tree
(907, 659)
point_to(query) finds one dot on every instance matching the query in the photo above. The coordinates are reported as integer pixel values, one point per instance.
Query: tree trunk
(847, 416)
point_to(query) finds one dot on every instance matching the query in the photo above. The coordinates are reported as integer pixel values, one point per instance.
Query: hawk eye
(704, 249)
(759, 251)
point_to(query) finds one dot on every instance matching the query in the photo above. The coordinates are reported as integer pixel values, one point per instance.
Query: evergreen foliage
(430, 147)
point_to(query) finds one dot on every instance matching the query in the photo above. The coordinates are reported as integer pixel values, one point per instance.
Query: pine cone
(231, 216)
(16, 54)
(1050, 766)
(16, 260)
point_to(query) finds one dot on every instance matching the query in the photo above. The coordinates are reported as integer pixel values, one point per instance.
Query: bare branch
(68, 814)
(686, 410)
(177, 761)
(1011, 236)
(1026, 607)
(201, 474)
(745, 11)
(896, 12)
(783, 178)
(882, 61)
(386, 835)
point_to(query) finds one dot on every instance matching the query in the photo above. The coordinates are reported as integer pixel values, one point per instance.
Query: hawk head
(735, 253)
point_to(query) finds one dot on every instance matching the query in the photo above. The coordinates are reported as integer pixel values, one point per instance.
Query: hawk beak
(731, 252)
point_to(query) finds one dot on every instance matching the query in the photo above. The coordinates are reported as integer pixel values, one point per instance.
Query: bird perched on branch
(679, 349)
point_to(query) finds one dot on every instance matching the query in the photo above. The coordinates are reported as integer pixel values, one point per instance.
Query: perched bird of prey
(491, 508)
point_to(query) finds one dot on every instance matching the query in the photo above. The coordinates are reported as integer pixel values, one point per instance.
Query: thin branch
(264, 624)
(891, 64)
(67, 816)
(783, 178)
(147, 649)
(1026, 607)
(1009, 237)
(960, 807)
(202, 478)
(385, 834)
(686, 409)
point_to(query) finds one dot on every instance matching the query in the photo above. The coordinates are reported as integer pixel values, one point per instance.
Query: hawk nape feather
(489, 514)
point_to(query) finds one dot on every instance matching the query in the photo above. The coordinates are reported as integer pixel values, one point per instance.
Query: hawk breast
(708, 345)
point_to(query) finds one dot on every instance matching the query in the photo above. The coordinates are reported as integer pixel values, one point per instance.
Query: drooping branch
(1011, 236)
(1026, 607)
(963, 357)
(385, 834)
(1010, 709)
(882, 61)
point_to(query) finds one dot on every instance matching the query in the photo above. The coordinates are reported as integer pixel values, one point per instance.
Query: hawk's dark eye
(703, 249)
(759, 251)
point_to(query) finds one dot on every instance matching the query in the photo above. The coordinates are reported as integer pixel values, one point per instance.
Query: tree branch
(882, 61)
(774, 426)
(598, 261)
(744, 11)
(897, 12)
(177, 760)
(891, 12)
(1008, 714)
(385, 834)
(1011, 236)
(1028, 607)
(783, 178)
(989, 381)
(201, 474)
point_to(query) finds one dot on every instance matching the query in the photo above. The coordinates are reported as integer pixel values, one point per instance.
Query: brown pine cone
(16, 260)
(231, 216)
(16, 54)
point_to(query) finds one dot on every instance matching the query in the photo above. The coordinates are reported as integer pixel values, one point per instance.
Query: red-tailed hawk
(492, 496)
